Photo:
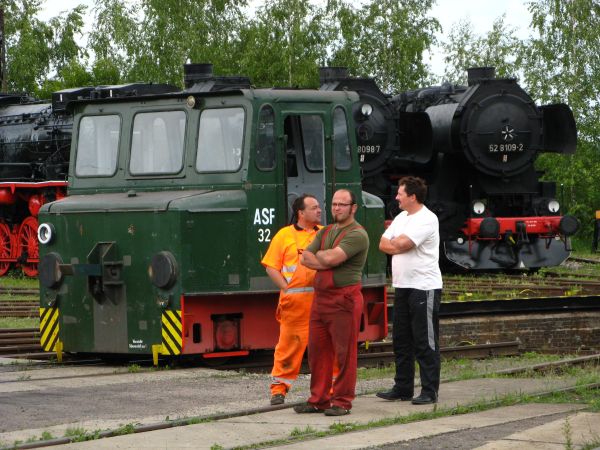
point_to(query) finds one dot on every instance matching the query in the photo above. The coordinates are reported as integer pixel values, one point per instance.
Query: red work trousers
(333, 336)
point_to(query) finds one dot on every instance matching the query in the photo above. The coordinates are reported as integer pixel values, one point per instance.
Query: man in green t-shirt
(338, 253)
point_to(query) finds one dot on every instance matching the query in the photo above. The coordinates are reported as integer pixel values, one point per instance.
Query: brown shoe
(307, 408)
(336, 411)
(278, 399)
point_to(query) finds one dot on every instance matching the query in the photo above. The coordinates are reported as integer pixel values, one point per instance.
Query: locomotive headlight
(163, 270)
(45, 233)
(553, 206)
(366, 109)
(190, 101)
(478, 207)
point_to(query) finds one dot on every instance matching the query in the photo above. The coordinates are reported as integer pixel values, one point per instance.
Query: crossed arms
(397, 245)
(323, 259)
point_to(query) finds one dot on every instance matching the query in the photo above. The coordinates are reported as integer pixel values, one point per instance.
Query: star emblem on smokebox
(508, 133)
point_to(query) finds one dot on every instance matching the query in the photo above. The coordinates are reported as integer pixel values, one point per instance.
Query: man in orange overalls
(295, 282)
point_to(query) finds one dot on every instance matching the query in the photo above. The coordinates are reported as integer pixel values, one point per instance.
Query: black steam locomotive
(476, 146)
(35, 139)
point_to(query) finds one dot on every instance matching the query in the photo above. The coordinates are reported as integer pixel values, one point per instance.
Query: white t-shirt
(419, 267)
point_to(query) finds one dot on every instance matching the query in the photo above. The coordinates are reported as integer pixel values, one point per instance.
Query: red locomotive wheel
(5, 248)
(28, 243)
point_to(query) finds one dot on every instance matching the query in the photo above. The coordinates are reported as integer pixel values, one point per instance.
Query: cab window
(157, 143)
(97, 146)
(341, 143)
(220, 140)
(313, 139)
(265, 139)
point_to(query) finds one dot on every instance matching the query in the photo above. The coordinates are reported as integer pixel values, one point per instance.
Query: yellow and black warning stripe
(172, 339)
(49, 327)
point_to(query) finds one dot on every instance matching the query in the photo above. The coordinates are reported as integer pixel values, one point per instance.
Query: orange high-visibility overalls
(293, 311)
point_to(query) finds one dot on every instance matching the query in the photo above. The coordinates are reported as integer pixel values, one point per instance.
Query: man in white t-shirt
(413, 240)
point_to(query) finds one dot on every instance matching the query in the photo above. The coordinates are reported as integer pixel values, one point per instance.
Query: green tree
(346, 24)
(563, 65)
(28, 51)
(285, 43)
(35, 50)
(499, 48)
(385, 39)
(114, 35)
(150, 40)
(395, 37)
(64, 47)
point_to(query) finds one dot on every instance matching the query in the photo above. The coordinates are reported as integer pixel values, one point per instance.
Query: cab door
(304, 137)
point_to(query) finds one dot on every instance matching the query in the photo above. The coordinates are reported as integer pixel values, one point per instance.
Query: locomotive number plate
(503, 148)
(368, 149)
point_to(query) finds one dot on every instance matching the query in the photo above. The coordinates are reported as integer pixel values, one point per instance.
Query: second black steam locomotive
(476, 146)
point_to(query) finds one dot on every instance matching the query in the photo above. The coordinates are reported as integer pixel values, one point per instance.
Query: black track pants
(416, 336)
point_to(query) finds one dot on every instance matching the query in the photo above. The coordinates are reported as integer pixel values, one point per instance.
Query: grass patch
(581, 395)
(46, 436)
(134, 368)
(17, 297)
(593, 444)
(80, 434)
(19, 322)
(15, 278)
(297, 432)
(465, 369)
(375, 373)
(125, 429)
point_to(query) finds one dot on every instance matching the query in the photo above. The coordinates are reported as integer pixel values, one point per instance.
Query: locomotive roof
(267, 94)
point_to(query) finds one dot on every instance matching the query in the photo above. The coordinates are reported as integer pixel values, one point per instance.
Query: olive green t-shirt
(355, 244)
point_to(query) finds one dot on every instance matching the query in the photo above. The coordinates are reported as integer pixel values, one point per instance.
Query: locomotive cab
(173, 201)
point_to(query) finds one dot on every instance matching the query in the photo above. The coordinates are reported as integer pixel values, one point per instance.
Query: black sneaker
(424, 399)
(393, 395)
(278, 399)
(336, 411)
(307, 408)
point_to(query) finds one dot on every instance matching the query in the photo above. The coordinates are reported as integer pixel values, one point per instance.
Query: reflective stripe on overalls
(334, 323)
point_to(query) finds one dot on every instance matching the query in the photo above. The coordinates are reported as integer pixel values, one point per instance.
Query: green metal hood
(190, 200)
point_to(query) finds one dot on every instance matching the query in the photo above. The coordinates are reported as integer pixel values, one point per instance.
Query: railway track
(20, 302)
(17, 290)
(19, 308)
(24, 343)
(584, 260)
(21, 342)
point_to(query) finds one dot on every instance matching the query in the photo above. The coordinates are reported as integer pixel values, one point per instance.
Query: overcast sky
(481, 14)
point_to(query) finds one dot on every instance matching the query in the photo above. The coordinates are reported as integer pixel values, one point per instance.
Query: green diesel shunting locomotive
(173, 199)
